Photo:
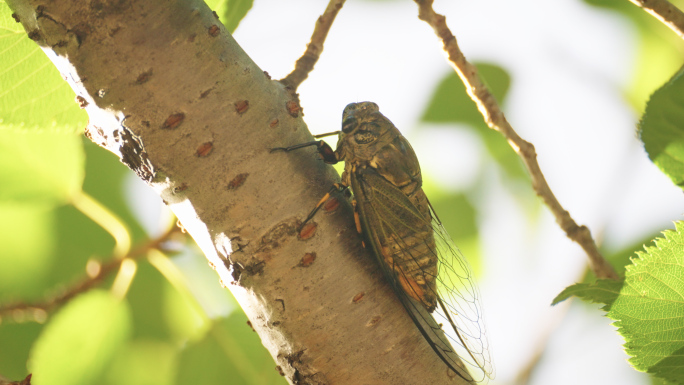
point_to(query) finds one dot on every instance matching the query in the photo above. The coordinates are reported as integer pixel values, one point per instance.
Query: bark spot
(173, 121)
(204, 149)
(82, 102)
(373, 321)
(292, 108)
(34, 35)
(358, 298)
(307, 259)
(276, 236)
(238, 181)
(308, 231)
(144, 77)
(181, 188)
(214, 30)
(242, 106)
(331, 205)
(273, 123)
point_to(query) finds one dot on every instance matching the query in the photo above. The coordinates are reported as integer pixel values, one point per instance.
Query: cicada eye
(348, 124)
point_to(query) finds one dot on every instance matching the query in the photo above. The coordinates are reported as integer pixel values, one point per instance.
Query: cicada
(428, 273)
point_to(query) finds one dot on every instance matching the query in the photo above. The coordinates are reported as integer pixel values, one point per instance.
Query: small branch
(664, 11)
(496, 120)
(305, 64)
(89, 282)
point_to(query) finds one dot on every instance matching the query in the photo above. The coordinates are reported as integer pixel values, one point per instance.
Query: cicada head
(364, 128)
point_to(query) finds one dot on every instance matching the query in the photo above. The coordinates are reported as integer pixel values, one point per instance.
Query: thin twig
(305, 64)
(664, 11)
(496, 120)
(87, 283)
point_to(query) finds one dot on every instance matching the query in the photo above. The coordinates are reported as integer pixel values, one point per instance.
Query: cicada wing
(460, 308)
(411, 245)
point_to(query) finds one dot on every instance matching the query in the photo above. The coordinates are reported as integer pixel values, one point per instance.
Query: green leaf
(33, 93)
(603, 291)
(80, 339)
(658, 54)
(661, 128)
(143, 362)
(15, 341)
(39, 166)
(231, 12)
(27, 238)
(230, 350)
(451, 104)
(648, 306)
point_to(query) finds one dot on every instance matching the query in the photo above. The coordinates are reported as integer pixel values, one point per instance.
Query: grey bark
(171, 93)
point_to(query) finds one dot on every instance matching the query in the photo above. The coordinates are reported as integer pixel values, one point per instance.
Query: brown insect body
(373, 148)
(400, 227)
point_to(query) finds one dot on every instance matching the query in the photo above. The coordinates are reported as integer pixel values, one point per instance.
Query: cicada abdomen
(427, 272)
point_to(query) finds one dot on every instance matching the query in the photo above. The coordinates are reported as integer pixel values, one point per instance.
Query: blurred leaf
(27, 239)
(230, 350)
(661, 129)
(659, 53)
(33, 93)
(184, 317)
(231, 12)
(143, 362)
(450, 103)
(203, 283)
(15, 343)
(80, 339)
(647, 306)
(40, 166)
(459, 217)
(105, 178)
(146, 301)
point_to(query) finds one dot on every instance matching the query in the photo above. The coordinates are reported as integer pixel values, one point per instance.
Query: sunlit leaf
(15, 342)
(658, 54)
(661, 128)
(80, 339)
(230, 350)
(33, 94)
(42, 166)
(26, 241)
(648, 306)
(143, 362)
(231, 12)
(451, 104)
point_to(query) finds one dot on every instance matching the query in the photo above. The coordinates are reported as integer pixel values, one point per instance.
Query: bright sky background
(570, 65)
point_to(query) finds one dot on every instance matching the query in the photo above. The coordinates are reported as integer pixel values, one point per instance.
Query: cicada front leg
(328, 156)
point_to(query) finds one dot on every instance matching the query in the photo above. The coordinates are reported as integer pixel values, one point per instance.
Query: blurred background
(573, 78)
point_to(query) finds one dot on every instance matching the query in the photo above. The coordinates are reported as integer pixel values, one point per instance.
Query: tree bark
(171, 93)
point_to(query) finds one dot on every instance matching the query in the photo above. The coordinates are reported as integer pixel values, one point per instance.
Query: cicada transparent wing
(427, 271)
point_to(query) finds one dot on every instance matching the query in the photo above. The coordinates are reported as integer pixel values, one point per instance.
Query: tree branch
(88, 283)
(307, 61)
(496, 120)
(664, 11)
(169, 91)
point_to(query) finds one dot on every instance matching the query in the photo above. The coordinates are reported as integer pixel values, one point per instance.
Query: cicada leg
(337, 187)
